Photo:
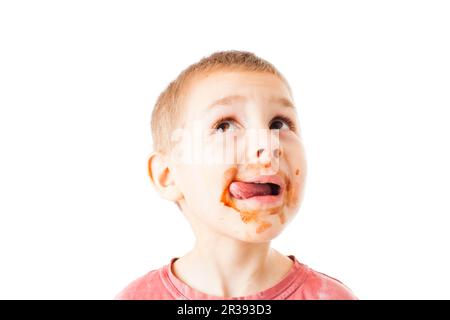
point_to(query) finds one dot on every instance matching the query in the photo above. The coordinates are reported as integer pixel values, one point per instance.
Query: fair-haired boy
(228, 152)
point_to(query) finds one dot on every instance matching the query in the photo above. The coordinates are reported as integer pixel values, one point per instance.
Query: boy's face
(239, 162)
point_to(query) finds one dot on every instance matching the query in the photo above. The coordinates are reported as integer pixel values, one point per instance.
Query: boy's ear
(162, 178)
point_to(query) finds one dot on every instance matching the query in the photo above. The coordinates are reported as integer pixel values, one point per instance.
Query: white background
(78, 80)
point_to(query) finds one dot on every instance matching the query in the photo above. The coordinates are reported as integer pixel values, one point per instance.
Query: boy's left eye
(278, 123)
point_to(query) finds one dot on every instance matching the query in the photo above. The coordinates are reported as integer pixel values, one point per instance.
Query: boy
(228, 152)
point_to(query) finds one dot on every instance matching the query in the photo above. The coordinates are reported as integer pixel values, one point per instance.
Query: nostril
(258, 153)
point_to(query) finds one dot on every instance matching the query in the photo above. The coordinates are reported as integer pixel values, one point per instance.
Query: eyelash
(222, 119)
(288, 121)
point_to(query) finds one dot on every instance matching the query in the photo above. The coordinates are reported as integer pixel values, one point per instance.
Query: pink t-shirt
(300, 283)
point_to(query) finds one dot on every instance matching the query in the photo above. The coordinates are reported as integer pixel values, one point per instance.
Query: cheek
(192, 181)
(222, 150)
(202, 187)
(296, 159)
(295, 193)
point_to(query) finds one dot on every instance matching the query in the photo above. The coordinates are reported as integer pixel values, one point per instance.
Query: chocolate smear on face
(263, 225)
(248, 216)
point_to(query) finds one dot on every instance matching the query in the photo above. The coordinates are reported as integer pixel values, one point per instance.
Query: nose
(265, 149)
(268, 158)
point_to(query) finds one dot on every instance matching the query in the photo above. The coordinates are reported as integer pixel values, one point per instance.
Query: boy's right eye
(224, 124)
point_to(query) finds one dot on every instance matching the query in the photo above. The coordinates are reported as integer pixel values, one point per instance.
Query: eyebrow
(282, 101)
(229, 100)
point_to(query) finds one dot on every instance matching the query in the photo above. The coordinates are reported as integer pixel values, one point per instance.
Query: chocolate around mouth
(248, 216)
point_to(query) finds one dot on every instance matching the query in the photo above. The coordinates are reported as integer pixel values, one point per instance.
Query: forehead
(233, 87)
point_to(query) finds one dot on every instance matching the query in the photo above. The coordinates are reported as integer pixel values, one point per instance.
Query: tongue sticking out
(245, 190)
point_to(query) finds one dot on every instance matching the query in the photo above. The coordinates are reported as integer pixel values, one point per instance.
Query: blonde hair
(167, 110)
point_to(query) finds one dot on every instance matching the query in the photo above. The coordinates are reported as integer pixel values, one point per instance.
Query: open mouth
(255, 196)
(246, 190)
(266, 188)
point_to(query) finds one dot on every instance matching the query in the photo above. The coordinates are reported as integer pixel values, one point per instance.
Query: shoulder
(320, 286)
(146, 287)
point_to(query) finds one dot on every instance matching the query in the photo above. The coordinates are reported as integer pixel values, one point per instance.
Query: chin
(251, 236)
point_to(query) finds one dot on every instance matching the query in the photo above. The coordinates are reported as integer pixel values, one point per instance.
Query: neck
(222, 266)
